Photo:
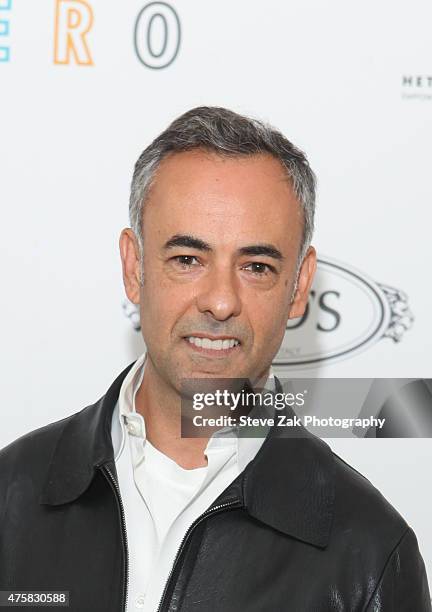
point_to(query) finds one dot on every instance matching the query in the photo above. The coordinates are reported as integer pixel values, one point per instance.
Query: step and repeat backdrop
(85, 85)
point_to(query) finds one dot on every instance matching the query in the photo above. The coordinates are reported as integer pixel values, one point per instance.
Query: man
(114, 506)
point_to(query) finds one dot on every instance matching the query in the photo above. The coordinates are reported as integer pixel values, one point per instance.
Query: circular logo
(347, 312)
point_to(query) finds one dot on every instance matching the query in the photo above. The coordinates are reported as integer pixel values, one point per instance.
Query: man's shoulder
(24, 465)
(32, 451)
(362, 514)
(376, 542)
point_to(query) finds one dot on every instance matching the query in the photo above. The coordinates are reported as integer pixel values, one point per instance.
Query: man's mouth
(213, 345)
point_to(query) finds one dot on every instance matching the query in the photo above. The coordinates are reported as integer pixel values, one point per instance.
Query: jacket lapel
(84, 443)
(290, 484)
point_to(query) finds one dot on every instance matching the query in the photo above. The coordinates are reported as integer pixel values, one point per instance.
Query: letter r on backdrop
(73, 21)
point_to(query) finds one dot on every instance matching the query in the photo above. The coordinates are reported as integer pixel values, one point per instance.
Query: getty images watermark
(326, 407)
(277, 401)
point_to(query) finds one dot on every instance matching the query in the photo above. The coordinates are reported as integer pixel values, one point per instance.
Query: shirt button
(133, 429)
(140, 601)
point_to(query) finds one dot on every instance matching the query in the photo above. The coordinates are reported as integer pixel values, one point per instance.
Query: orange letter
(74, 18)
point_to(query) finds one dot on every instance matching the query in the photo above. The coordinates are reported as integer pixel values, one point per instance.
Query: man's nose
(219, 294)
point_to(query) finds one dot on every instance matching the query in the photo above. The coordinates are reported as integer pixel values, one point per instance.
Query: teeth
(216, 345)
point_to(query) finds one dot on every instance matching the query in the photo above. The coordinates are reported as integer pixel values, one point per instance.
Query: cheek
(268, 316)
(161, 305)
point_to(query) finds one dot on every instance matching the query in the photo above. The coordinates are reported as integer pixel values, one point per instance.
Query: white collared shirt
(160, 498)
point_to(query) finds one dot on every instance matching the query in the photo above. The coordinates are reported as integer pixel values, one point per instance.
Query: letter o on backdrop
(157, 35)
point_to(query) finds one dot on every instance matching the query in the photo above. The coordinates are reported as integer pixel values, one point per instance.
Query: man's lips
(213, 346)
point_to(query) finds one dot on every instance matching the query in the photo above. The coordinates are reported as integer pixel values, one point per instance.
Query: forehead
(199, 191)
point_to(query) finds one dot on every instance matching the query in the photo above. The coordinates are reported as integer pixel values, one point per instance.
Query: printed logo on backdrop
(5, 8)
(416, 87)
(157, 34)
(347, 313)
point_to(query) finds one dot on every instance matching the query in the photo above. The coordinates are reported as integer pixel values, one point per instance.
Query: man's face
(221, 239)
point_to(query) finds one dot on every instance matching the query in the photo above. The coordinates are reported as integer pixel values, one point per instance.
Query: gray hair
(228, 134)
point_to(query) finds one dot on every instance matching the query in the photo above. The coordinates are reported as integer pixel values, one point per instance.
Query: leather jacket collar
(289, 485)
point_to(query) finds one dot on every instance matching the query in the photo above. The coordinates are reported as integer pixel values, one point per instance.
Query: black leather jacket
(299, 530)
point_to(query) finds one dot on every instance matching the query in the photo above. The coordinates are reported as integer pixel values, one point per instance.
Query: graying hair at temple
(228, 134)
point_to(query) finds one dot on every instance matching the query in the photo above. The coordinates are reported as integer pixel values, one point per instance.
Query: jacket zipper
(210, 511)
(109, 475)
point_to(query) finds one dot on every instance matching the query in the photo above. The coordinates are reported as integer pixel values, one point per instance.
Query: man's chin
(209, 379)
(209, 383)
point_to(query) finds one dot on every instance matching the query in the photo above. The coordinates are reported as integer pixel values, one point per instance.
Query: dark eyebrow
(261, 249)
(185, 240)
(192, 242)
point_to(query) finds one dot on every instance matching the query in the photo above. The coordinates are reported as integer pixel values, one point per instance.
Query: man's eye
(185, 260)
(259, 268)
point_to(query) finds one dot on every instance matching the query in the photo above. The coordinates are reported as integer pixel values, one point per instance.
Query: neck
(159, 404)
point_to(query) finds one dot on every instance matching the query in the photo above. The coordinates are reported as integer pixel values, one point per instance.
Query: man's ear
(129, 253)
(304, 282)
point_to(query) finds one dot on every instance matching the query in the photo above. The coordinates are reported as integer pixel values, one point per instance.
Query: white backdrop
(349, 82)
